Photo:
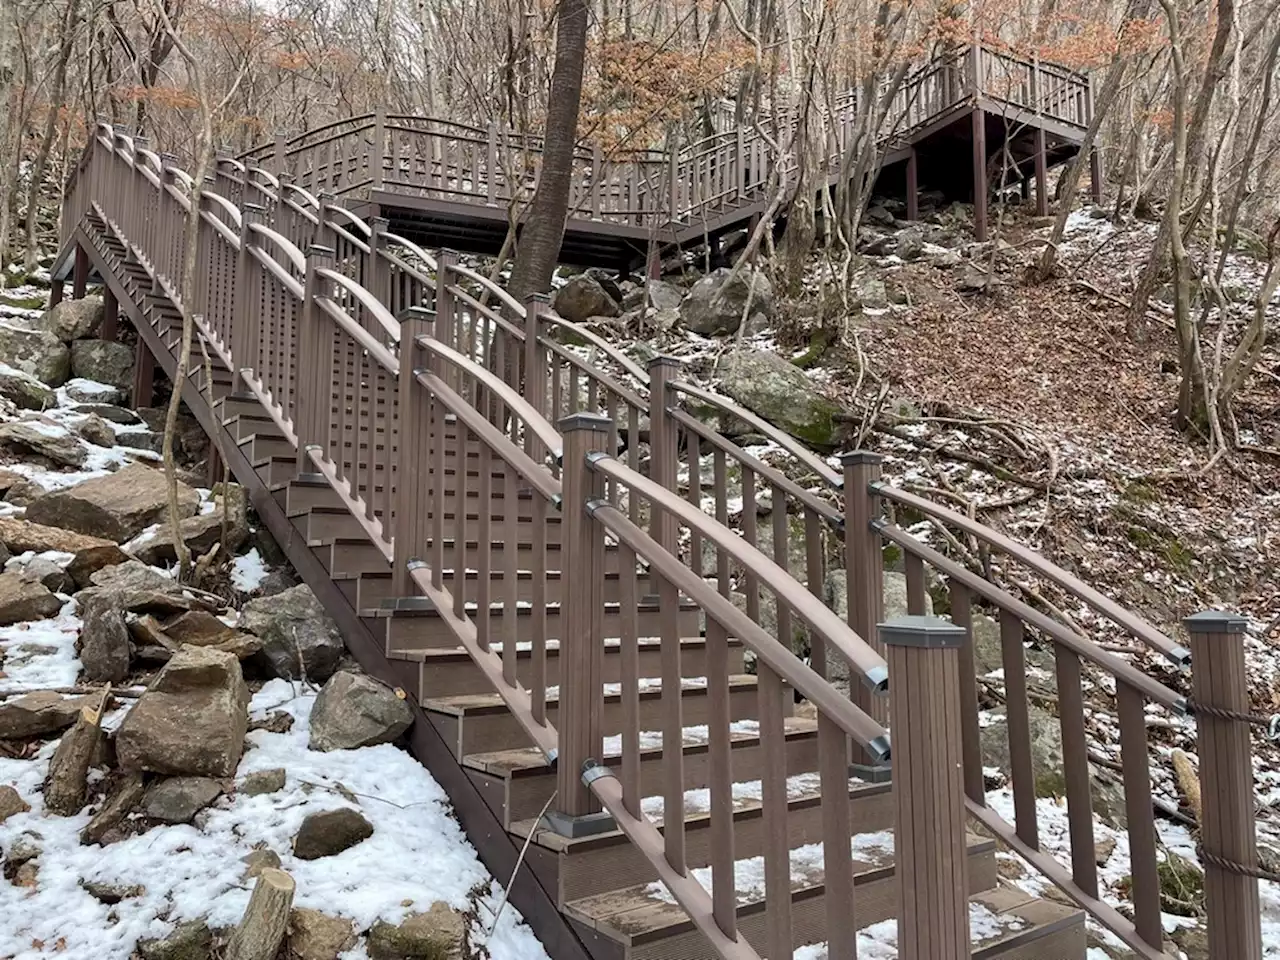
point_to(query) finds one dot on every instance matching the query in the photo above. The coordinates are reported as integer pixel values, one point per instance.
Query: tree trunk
(539, 245)
(69, 769)
(265, 920)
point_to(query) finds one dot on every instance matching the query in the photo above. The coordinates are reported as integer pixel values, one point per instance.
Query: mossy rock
(1181, 886)
(780, 392)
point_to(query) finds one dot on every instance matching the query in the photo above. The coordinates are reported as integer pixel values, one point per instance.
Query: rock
(871, 293)
(96, 431)
(11, 803)
(317, 936)
(275, 722)
(262, 781)
(25, 598)
(583, 297)
(90, 391)
(199, 532)
(90, 554)
(331, 832)
(24, 849)
(714, 306)
(780, 392)
(660, 295)
(104, 362)
(356, 711)
(39, 713)
(45, 439)
(54, 578)
(35, 352)
(437, 934)
(971, 278)
(109, 411)
(127, 794)
(104, 638)
(27, 875)
(7, 479)
(190, 440)
(116, 507)
(259, 860)
(198, 628)
(1103, 848)
(24, 493)
(188, 941)
(879, 245)
(111, 893)
(1181, 886)
(910, 243)
(878, 214)
(73, 319)
(26, 392)
(297, 635)
(178, 799)
(141, 440)
(191, 720)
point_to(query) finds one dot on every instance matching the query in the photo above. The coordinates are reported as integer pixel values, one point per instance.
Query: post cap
(449, 254)
(319, 250)
(857, 458)
(585, 421)
(1216, 621)
(416, 313)
(932, 632)
(662, 360)
(540, 298)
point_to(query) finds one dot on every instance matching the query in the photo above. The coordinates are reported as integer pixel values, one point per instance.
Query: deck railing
(386, 367)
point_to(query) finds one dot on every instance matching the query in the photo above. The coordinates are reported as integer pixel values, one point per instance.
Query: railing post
(249, 349)
(491, 167)
(929, 836)
(580, 719)
(378, 149)
(1227, 832)
(377, 278)
(311, 400)
(663, 454)
(446, 314)
(281, 147)
(864, 581)
(56, 290)
(535, 373)
(413, 445)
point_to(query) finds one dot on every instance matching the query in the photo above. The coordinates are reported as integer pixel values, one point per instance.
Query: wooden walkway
(566, 570)
(442, 183)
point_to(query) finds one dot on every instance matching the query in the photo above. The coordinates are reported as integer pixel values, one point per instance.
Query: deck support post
(913, 185)
(1227, 829)
(56, 290)
(144, 376)
(110, 315)
(864, 581)
(979, 174)
(928, 792)
(1095, 175)
(581, 716)
(1042, 175)
(80, 278)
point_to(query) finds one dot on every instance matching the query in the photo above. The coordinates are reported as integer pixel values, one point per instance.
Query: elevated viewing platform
(440, 182)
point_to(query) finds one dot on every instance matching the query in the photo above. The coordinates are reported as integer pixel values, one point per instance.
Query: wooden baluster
(412, 451)
(970, 733)
(1075, 763)
(1136, 763)
(629, 669)
(1018, 729)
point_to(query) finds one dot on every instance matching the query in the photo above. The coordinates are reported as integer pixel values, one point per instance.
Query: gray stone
(317, 936)
(660, 295)
(191, 720)
(104, 362)
(53, 577)
(878, 214)
(116, 507)
(438, 934)
(188, 941)
(25, 598)
(298, 637)
(96, 430)
(179, 799)
(199, 532)
(90, 391)
(584, 297)
(24, 849)
(259, 860)
(112, 893)
(109, 411)
(780, 392)
(356, 711)
(24, 493)
(330, 832)
(715, 306)
(73, 319)
(135, 587)
(26, 393)
(910, 243)
(141, 440)
(11, 803)
(971, 278)
(35, 352)
(871, 293)
(54, 442)
(39, 713)
(262, 781)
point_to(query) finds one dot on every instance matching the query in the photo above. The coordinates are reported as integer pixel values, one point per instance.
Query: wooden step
(247, 425)
(319, 524)
(646, 924)
(305, 491)
(451, 672)
(264, 448)
(578, 868)
(481, 722)
(376, 588)
(1031, 928)
(350, 556)
(238, 404)
(421, 629)
(517, 783)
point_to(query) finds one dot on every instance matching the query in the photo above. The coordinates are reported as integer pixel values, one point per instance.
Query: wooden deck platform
(442, 183)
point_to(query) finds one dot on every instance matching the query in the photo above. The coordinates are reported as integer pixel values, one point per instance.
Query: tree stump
(265, 920)
(69, 769)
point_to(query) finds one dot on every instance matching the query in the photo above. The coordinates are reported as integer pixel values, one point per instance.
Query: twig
(131, 693)
(520, 860)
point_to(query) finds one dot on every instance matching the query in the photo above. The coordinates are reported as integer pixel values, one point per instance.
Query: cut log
(127, 795)
(265, 920)
(69, 769)
(1188, 781)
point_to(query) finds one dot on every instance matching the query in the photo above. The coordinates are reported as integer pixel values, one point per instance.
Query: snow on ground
(880, 940)
(41, 654)
(248, 571)
(417, 854)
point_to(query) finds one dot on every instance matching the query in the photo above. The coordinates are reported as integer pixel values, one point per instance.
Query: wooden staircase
(542, 591)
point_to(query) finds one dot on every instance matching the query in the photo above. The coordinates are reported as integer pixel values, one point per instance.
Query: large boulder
(137, 588)
(93, 429)
(90, 554)
(35, 352)
(192, 940)
(179, 799)
(116, 507)
(104, 638)
(45, 439)
(104, 362)
(356, 711)
(654, 293)
(438, 934)
(779, 391)
(317, 936)
(191, 720)
(25, 598)
(90, 391)
(298, 637)
(73, 319)
(584, 297)
(199, 532)
(25, 391)
(36, 714)
(330, 832)
(715, 304)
